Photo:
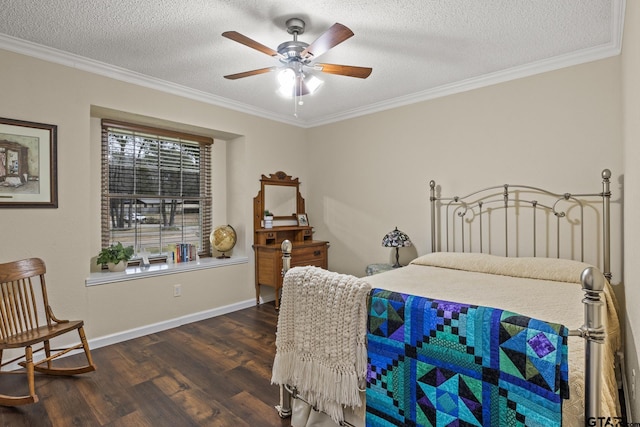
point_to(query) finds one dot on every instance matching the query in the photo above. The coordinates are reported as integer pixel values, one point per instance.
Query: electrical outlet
(177, 290)
(633, 384)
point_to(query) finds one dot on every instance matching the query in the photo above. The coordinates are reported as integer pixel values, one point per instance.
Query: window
(156, 188)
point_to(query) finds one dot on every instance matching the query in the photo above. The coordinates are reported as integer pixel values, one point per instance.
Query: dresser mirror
(280, 194)
(280, 200)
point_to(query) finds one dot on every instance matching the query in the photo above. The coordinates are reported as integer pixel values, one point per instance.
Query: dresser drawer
(309, 255)
(269, 261)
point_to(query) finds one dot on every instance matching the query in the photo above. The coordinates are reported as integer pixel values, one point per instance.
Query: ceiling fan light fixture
(313, 83)
(294, 83)
(285, 92)
(286, 78)
(286, 82)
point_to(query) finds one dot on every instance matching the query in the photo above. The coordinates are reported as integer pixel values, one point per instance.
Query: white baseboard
(149, 329)
(168, 324)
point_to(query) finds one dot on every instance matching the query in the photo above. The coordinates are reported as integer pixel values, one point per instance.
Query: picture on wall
(28, 164)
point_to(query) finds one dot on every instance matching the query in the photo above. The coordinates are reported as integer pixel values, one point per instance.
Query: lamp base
(397, 264)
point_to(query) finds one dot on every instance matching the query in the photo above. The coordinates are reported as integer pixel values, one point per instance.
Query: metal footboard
(593, 282)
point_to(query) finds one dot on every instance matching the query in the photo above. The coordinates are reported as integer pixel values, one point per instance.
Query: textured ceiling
(418, 49)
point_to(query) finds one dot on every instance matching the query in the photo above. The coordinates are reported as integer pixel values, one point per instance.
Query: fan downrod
(290, 50)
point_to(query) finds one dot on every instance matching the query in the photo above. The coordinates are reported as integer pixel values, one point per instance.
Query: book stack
(184, 252)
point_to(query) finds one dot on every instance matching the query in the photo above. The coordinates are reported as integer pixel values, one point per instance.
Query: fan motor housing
(291, 50)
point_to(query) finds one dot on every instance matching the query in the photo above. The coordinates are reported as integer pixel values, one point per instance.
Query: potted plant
(268, 219)
(115, 256)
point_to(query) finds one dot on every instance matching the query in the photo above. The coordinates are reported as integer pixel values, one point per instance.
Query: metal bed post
(606, 223)
(594, 333)
(593, 282)
(284, 408)
(432, 198)
(505, 196)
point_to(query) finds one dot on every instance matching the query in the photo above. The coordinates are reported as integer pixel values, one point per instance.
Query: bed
(548, 281)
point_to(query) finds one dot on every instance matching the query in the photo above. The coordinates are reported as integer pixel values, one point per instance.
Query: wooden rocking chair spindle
(26, 319)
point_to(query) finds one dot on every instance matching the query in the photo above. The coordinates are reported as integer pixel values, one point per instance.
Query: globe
(223, 238)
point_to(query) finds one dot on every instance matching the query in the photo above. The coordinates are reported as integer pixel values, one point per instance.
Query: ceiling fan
(297, 57)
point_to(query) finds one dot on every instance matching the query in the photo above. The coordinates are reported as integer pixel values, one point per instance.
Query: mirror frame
(278, 179)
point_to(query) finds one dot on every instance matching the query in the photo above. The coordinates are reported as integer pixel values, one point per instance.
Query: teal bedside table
(377, 268)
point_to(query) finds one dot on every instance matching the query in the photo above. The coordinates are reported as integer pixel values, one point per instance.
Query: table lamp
(396, 239)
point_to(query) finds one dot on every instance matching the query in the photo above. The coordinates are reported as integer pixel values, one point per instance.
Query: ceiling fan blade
(250, 73)
(330, 38)
(237, 37)
(344, 70)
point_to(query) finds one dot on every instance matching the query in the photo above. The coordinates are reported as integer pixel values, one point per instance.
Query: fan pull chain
(297, 95)
(300, 101)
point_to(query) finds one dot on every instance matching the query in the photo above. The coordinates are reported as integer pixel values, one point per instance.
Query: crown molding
(81, 63)
(78, 62)
(503, 76)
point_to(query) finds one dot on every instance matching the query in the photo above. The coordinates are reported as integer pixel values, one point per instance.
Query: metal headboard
(459, 223)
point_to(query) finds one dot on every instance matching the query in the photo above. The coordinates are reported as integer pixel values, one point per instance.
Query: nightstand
(377, 268)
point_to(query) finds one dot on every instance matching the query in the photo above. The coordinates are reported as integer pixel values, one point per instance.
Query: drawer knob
(317, 253)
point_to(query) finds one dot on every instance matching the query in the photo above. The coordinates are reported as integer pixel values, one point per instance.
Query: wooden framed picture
(28, 164)
(302, 219)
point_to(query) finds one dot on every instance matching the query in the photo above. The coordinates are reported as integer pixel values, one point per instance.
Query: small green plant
(114, 254)
(267, 213)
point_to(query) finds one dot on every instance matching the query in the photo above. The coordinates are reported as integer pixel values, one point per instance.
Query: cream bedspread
(542, 288)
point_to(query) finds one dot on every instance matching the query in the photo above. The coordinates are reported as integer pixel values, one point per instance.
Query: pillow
(555, 269)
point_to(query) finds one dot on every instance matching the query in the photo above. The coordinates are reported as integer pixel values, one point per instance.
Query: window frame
(205, 172)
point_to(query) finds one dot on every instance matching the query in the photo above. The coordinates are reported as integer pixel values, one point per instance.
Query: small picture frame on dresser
(303, 220)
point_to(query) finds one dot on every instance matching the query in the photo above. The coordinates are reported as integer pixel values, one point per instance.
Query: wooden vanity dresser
(280, 194)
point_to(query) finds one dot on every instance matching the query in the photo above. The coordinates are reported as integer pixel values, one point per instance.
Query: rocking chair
(26, 319)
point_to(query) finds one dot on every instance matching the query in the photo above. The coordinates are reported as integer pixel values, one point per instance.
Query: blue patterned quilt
(439, 363)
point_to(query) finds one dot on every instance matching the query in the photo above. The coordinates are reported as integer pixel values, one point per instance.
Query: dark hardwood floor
(215, 372)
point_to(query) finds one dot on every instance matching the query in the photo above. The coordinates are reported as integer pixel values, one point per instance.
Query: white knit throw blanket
(321, 338)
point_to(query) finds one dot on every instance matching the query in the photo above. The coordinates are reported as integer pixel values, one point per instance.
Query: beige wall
(631, 155)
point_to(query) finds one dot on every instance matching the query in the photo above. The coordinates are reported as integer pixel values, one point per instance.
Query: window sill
(134, 273)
